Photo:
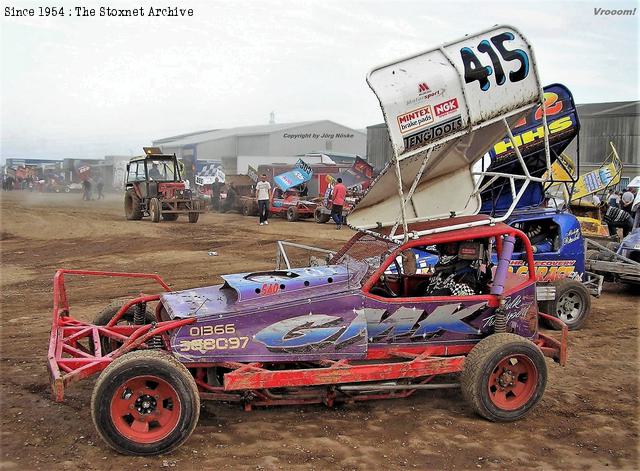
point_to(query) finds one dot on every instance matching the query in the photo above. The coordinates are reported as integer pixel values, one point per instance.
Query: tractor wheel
(193, 217)
(145, 403)
(572, 304)
(320, 217)
(132, 209)
(104, 316)
(292, 214)
(504, 376)
(155, 210)
(170, 216)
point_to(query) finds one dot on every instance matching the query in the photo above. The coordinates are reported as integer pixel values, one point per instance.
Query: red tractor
(154, 188)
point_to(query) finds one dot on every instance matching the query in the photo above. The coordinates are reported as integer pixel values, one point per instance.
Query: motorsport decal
(415, 119)
(527, 137)
(445, 108)
(546, 270)
(515, 308)
(424, 94)
(561, 116)
(571, 236)
(434, 132)
(411, 323)
(314, 332)
(305, 334)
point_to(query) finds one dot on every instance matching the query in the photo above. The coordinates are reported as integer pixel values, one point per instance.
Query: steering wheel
(385, 289)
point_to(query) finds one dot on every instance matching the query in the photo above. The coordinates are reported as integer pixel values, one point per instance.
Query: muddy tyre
(132, 210)
(320, 217)
(572, 304)
(504, 377)
(292, 214)
(170, 216)
(145, 403)
(249, 208)
(155, 210)
(193, 217)
(104, 316)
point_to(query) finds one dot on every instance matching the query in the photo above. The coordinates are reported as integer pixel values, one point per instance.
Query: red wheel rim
(145, 409)
(513, 382)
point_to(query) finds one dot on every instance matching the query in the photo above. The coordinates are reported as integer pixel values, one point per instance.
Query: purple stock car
(364, 323)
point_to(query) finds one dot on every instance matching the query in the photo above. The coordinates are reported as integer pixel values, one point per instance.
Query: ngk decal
(446, 107)
(415, 119)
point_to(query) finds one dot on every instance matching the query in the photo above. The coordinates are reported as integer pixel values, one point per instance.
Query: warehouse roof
(214, 134)
(616, 108)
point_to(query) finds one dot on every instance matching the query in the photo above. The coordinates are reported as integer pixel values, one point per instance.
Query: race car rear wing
(444, 109)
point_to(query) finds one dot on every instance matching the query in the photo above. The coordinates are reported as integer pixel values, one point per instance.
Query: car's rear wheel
(193, 217)
(320, 217)
(132, 210)
(145, 403)
(504, 377)
(292, 214)
(246, 209)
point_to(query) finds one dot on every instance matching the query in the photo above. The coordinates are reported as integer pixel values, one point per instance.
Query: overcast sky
(88, 87)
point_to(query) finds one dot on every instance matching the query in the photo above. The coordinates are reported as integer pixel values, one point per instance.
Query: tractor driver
(154, 173)
(452, 277)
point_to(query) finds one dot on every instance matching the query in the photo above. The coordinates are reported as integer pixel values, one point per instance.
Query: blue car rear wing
(528, 134)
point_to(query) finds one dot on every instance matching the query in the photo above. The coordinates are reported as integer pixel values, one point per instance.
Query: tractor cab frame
(154, 188)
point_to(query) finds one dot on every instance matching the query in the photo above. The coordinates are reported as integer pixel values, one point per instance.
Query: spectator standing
(100, 187)
(216, 189)
(338, 194)
(616, 217)
(86, 190)
(263, 189)
(230, 200)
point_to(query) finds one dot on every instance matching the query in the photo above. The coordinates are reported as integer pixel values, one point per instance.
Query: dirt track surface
(588, 418)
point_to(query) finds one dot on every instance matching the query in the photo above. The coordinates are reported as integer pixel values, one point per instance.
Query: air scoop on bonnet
(260, 284)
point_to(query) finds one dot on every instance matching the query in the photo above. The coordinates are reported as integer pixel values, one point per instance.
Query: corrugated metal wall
(378, 146)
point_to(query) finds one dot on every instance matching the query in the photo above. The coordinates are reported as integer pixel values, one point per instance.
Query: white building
(271, 143)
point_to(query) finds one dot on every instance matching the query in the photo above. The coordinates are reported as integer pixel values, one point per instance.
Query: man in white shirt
(263, 189)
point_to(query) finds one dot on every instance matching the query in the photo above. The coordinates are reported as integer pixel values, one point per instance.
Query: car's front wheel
(145, 403)
(504, 377)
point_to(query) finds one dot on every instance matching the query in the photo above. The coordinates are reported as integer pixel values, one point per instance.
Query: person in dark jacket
(616, 217)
